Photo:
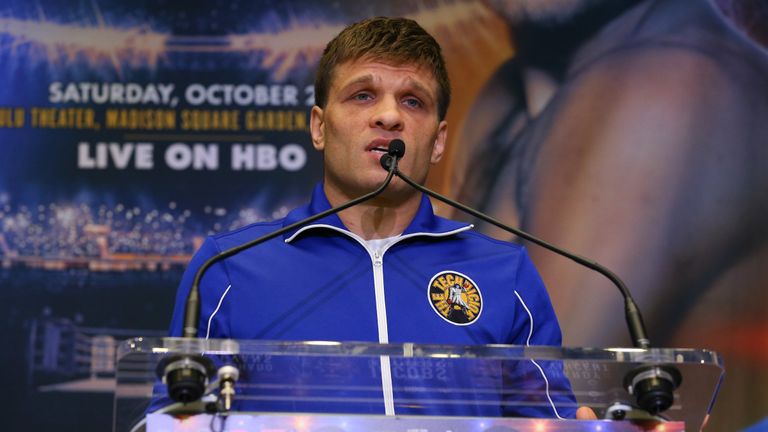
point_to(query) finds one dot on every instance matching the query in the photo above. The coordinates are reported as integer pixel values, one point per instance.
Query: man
(380, 271)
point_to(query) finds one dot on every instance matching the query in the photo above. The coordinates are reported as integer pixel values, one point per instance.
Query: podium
(307, 386)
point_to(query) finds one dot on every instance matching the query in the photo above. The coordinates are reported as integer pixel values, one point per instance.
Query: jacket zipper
(377, 261)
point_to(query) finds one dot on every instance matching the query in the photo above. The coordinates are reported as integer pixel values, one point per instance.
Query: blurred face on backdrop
(371, 102)
(540, 10)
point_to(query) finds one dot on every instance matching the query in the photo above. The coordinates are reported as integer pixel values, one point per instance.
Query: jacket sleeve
(212, 287)
(535, 322)
(535, 388)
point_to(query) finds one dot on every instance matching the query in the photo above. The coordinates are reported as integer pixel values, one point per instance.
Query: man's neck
(378, 218)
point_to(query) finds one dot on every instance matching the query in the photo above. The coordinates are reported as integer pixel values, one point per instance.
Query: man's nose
(387, 115)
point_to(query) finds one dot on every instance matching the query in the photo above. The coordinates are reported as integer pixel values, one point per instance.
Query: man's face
(369, 104)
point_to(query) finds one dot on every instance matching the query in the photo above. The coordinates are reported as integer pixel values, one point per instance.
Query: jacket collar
(424, 222)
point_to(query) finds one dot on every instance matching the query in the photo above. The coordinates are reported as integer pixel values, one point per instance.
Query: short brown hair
(395, 40)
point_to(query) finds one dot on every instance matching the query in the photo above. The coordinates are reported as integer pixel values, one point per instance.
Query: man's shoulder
(244, 234)
(479, 239)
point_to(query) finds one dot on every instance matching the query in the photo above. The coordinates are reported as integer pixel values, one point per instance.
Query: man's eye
(361, 96)
(413, 103)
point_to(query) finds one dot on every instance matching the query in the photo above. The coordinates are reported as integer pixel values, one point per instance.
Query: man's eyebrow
(421, 88)
(363, 79)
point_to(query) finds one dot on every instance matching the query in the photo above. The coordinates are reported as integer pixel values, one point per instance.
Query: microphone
(186, 376)
(395, 151)
(652, 386)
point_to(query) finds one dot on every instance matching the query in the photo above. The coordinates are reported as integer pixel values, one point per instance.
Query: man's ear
(317, 128)
(439, 146)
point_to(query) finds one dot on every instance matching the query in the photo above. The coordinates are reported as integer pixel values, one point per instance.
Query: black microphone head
(396, 148)
(386, 161)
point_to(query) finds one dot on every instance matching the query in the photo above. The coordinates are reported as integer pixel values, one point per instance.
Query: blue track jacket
(439, 283)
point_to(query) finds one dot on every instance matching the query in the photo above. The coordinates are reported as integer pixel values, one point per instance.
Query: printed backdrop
(129, 131)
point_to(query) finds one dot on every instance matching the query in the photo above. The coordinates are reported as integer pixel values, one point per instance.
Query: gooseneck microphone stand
(186, 376)
(652, 385)
(192, 310)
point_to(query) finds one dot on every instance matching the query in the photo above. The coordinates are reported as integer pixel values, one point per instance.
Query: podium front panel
(355, 423)
(425, 382)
